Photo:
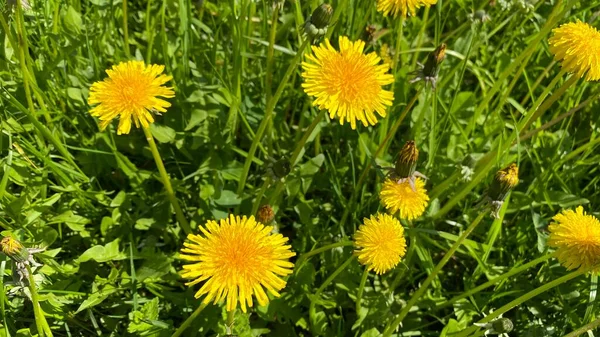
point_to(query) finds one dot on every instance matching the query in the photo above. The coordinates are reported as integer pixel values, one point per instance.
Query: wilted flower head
(504, 181)
(265, 214)
(348, 83)
(409, 201)
(236, 259)
(386, 55)
(131, 91)
(402, 7)
(429, 72)
(318, 22)
(21, 256)
(406, 165)
(577, 46)
(380, 243)
(576, 237)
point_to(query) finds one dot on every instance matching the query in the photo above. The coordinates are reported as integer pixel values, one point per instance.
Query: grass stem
(186, 324)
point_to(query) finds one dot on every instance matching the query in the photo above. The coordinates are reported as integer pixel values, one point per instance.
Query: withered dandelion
(409, 200)
(576, 237)
(236, 259)
(380, 243)
(402, 7)
(131, 91)
(348, 83)
(577, 46)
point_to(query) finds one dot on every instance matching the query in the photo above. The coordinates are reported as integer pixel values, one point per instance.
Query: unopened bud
(502, 325)
(429, 72)
(265, 214)
(407, 160)
(504, 181)
(318, 22)
(321, 16)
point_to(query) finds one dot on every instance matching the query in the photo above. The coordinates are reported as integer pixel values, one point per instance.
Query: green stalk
(269, 74)
(588, 327)
(125, 31)
(317, 295)
(229, 324)
(417, 295)
(313, 252)
(522, 299)
(268, 115)
(495, 280)
(260, 194)
(186, 324)
(3, 294)
(361, 289)
(149, 32)
(379, 150)
(293, 159)
(40, 321)
(167, 182)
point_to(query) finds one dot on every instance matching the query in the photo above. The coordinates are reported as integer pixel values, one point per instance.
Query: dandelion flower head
(380, 243)
(402, 7)
(576, 237)
(131, 91)
(401, 197)
(236, 259)
(577, 46)
(348, 83)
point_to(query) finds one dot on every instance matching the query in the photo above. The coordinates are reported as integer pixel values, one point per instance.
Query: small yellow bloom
(401, 197)
(380, 243)
(402, 7)
(347, 82)
(576, 237)
(131, 91)
(237, 258)
(577, 46)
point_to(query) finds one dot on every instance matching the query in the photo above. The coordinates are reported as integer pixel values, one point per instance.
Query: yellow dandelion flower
(401, 197)
(577, 46)
(132, 90)
(380, 243)
(237, 258)
(576, 237)
(348, 83)
(402, 7)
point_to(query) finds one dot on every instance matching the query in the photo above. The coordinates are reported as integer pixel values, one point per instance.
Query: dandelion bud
(407, 160)
(502, 325)
(317, 23)
(265, 214)
(480, 16)
(368, 34)
(504, 181)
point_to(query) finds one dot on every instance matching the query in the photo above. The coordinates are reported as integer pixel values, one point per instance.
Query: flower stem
(361, 289)
(125, 31)
(522, 299)
(317, 295)
(379, 150)
(313, 252)
(167, 182)
(229, 324)
(585, 328)
(189, 320)
(295, 157)
(40, 321)
(268, 115)
(415, 297)
(496, 280)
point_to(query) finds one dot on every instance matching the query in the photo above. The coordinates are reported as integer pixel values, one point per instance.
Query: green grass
(96, 201)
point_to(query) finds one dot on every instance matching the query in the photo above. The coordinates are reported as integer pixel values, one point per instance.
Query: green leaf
(108, 252)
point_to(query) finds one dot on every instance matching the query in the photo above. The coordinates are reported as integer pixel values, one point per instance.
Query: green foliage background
(94, 199)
